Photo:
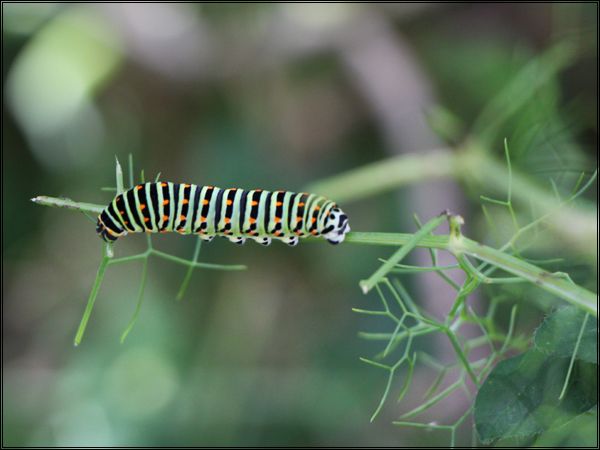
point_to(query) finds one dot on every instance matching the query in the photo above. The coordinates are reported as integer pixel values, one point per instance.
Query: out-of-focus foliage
(521, 397)
(271, 96)
(564, 331)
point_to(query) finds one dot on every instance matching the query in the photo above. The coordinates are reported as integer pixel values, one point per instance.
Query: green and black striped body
(234, 213)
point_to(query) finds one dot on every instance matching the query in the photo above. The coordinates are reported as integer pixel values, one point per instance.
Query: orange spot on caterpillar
(186, 185)
(301, 204)
(317, 207)
(138, 187)
(185, 201)
(252, 220)
(254, 203)
(227, 220)
(298, 219)
(146, 219)
(205, 202)
(277, 219)
(278, 203)
(202, 219)
(163, 184)
(313, 232)
(313, 220)
(165, 202)
(142, 206)
(165, 218)
(181, 217)
(229, 202)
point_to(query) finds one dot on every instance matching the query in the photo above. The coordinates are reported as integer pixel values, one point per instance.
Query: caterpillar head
(104, 232)
(336, 226)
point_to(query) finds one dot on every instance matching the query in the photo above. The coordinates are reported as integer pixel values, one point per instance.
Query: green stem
(91, 299)
(461, 356)
(138, 305)
(386, 175)
(568, 377)
(188, 275)
(568, 291)
(550, 282)
(185, 262)
(367, 285)
(472, 165)
(69, 204)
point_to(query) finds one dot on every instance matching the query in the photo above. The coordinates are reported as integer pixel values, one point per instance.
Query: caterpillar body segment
(209, 211)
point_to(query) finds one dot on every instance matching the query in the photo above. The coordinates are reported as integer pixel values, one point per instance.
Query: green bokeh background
(229, 95)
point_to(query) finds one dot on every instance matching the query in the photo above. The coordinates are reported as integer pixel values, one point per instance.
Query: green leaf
(520, 396)
(582, 431)
(558, 335)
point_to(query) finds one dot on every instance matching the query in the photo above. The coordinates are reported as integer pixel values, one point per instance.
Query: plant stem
(552, 283)
(68, 203)
(91, 300)
(386, 175)
(472, 165)
(188, 275)
(367, 285)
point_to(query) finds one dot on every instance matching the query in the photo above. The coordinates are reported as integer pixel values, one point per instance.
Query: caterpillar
(209, 211)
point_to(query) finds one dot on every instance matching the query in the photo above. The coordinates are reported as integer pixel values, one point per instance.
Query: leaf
(582, 431)
(520, 396)
(558, 335)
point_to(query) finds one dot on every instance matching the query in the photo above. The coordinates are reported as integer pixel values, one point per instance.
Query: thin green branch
(200, 265)
(119, 176)
(407, 381)
(433, 400)
(461, 356)
(433, 255)
(572, 362)
(130, 171)
(92, 299)
(547, 281)
(188, 275)
(367, 285)
(68, 203)
(138, 305)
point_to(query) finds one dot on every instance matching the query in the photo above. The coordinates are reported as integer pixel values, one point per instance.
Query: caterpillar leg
(206, 238)
(237, 240)
(262, 240)
(291, 241)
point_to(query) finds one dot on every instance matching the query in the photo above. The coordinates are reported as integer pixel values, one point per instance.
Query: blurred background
(276, 96)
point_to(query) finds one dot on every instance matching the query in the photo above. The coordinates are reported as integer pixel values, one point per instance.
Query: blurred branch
(475, 167)
(523, 88)
(386, 175)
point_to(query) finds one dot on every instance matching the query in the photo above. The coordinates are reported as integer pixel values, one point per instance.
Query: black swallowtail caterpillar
(209, 211)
